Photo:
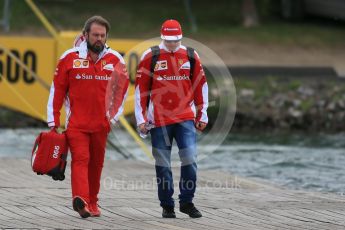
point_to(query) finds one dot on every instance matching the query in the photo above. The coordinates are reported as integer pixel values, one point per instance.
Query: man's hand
(199, 125)
(142, 128)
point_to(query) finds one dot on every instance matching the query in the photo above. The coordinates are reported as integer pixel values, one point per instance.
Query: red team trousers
(87, 150)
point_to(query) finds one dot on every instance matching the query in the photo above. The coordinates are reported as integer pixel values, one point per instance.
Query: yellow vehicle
(27, 67)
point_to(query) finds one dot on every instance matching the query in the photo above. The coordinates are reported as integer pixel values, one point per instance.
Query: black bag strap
(155, 55)
(191, 58)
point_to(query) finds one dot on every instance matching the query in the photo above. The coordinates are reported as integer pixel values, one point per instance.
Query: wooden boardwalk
(128, 201)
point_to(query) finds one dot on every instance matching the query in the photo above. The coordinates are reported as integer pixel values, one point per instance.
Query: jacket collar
(162, 46)
(83, 51)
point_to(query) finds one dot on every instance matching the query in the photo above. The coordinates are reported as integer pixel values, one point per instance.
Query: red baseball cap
(171, 30)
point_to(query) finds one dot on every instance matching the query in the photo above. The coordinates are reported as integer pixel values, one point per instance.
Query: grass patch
(281, 33)
(306, 105)
(294, 84)
(135, 19)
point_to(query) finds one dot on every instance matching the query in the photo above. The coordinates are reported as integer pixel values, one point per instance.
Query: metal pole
(43, 19)
(6, 16)
(192, 21)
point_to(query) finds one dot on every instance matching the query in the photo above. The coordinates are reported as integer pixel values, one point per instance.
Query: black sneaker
(190, 209)
(168, 212)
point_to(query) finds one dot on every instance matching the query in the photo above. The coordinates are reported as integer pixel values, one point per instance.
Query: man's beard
(95, 47)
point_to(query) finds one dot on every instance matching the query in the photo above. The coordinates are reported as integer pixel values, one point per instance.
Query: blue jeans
(162, 138)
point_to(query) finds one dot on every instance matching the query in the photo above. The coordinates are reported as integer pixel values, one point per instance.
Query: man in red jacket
(82, 79)
(172, 94)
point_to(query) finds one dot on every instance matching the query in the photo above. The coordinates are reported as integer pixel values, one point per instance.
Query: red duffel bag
(49, 154)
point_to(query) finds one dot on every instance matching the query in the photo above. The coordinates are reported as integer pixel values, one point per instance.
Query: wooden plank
(31, 201)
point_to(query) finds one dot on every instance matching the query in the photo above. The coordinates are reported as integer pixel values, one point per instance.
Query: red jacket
(87, 89)
(174, 96)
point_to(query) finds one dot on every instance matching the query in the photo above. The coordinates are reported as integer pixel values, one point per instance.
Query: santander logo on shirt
(92, 77)
(173, 78)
